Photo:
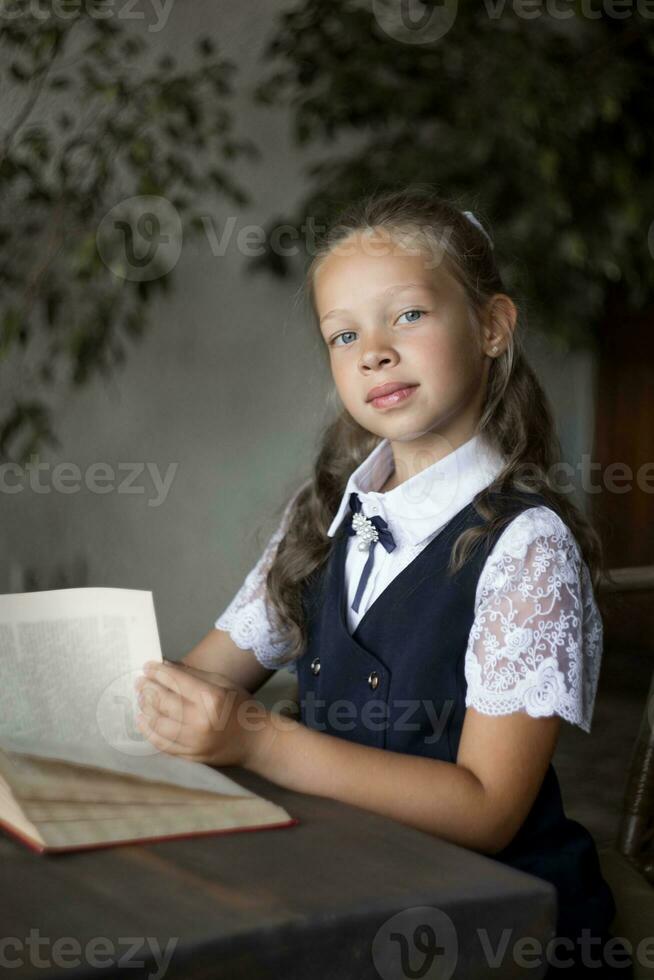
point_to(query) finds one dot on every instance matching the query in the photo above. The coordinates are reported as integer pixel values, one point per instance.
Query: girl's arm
(217, 652)
(478, 802)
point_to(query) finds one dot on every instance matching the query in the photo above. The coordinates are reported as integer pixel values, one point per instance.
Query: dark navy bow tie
(369, 530)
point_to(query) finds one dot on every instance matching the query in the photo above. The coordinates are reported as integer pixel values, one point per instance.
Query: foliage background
(121, 129)
(224, 379)
(544, 125)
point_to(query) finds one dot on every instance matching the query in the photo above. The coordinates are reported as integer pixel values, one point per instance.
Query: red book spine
(40, 849)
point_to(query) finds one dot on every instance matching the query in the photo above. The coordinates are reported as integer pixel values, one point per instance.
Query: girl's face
(389, 315)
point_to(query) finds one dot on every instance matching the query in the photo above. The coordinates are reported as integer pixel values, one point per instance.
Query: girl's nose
(375, 356)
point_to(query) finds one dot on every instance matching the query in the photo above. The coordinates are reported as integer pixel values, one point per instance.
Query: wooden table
(311, 901)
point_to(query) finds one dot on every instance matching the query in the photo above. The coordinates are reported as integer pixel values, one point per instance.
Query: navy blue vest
(398, 683)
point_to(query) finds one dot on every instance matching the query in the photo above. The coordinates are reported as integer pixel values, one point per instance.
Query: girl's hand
(200, 715)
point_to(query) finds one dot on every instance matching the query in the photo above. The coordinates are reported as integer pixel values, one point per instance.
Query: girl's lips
(395, 398)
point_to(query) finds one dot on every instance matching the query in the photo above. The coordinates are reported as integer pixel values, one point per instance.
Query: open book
(75, 771)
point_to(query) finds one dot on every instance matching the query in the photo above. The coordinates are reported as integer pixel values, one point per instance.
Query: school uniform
(397, 649)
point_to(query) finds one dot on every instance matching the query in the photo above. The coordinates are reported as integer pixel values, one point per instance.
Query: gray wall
(228, 385)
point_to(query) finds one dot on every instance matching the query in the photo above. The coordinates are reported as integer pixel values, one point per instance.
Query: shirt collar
(428, 500)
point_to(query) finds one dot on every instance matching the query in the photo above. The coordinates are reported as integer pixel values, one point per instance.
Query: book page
(84, 826)
(158, 767)
(68, 662)
(71, 826)
(40, 778)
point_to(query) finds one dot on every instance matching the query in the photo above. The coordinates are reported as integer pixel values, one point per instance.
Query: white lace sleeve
(536, 640)
(246, 617)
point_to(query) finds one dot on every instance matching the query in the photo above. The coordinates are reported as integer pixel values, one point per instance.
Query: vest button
(315, 665)
(373, 679)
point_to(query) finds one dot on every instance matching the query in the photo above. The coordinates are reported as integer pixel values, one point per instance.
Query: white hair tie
(475, 221)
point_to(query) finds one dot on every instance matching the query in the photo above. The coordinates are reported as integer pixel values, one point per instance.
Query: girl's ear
(500, 318)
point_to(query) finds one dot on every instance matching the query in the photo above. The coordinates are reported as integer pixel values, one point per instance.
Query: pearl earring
(494, 349)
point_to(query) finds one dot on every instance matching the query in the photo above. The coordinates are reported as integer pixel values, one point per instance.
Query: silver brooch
(365, 531)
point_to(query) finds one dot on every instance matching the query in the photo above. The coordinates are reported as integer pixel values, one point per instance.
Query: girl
(429, 584)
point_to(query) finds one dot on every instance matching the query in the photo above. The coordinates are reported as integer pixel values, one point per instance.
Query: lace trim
(536, 641)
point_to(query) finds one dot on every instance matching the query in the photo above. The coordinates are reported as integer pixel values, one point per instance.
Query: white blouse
(535, 644)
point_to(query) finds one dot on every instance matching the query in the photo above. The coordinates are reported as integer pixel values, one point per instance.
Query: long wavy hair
(516, 417)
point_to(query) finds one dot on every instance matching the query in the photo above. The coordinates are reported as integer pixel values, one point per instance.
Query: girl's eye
(407, 312)
(334, 339)
(352, 332)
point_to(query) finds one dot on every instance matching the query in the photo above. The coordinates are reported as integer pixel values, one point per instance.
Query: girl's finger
(197, 716)
(151, 721)
(167, 745)
(152, 713)
(165, 701)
